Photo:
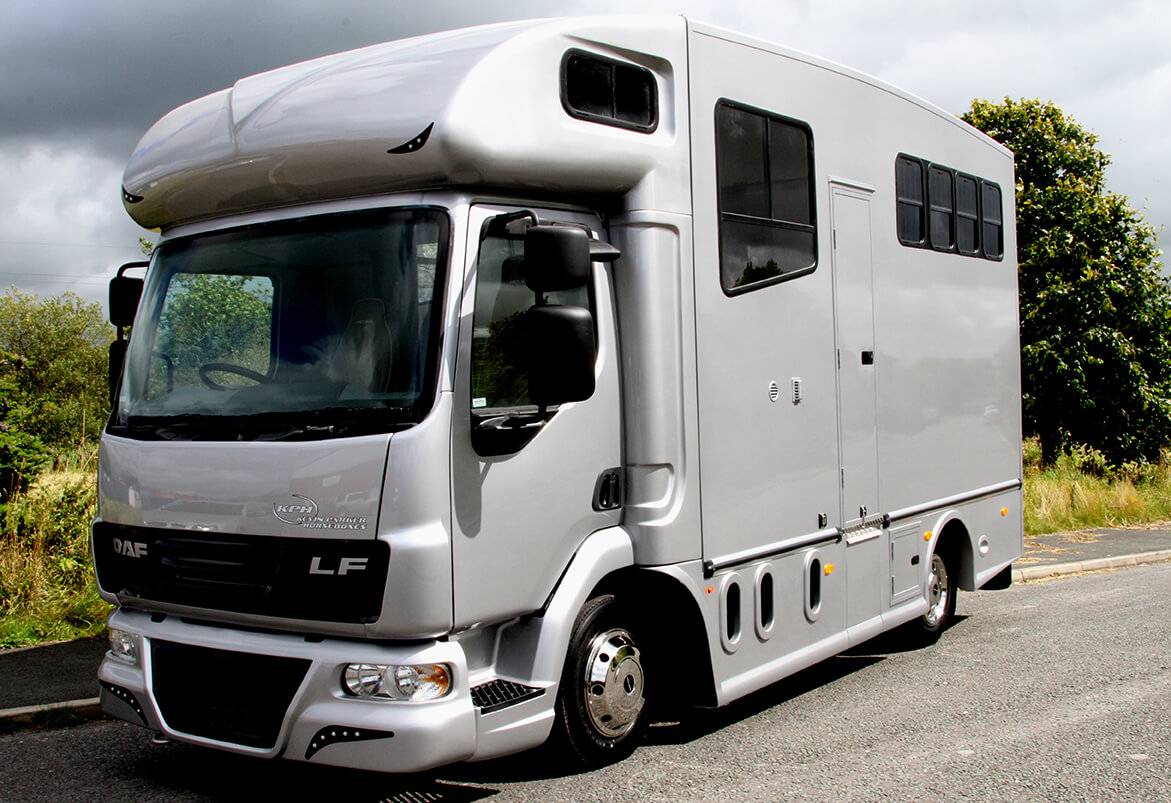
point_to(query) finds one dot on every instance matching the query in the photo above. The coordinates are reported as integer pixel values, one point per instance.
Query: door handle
(609, 490)
(868, 358)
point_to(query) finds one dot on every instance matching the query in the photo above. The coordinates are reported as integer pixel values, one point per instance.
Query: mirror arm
(602, 251)
(131, 265)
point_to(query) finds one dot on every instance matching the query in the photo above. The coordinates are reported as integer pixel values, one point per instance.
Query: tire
(601, 701)
(941, 596)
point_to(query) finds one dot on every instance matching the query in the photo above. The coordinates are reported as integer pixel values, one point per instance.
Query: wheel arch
(535, 647)
(671, 616)
(953, 542)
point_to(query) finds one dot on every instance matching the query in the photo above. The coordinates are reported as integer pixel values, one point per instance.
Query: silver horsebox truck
(493, 386)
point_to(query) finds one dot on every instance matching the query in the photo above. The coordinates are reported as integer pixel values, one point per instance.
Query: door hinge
(835, 234)
(843, 478)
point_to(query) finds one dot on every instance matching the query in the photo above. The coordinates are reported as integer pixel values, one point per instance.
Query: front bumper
(322, 724)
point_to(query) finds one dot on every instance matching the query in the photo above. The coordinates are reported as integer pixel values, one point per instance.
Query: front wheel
(601, 703)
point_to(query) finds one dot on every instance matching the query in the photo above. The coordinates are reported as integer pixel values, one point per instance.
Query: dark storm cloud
(101, 73)
(82, 80)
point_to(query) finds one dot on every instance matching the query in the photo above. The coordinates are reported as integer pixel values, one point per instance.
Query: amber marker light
(1003, 512)
(829, 569)
(927, 536)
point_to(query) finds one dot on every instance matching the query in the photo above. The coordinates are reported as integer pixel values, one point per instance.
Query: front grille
(233, 697)
(322, 579)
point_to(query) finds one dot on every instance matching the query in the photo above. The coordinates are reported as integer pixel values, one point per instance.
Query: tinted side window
(959, 212)
(764, 167)
(967, 216)
(502, 297)
(610, 92)
(740, 155)
(912, 211)
(939, 194)
(992, 218)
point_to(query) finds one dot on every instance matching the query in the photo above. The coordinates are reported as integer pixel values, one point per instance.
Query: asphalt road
(1051, 690)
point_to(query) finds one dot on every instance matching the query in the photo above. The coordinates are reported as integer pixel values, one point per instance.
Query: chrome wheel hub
(938, 592)
(613, 683)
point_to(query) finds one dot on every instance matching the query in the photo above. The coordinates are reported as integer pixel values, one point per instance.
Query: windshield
(309, 328)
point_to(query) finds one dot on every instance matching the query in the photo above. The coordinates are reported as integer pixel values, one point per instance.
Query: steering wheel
(205, 372)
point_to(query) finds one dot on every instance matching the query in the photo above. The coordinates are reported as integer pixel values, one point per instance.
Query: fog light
(124, 646)
(414, 682)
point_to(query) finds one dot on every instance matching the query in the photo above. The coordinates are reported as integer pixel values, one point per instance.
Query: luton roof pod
(446, 109)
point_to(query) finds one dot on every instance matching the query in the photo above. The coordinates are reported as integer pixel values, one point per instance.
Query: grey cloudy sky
(81, 81)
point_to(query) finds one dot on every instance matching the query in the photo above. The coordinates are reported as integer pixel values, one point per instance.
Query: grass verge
(47, 588)
(1080, 491)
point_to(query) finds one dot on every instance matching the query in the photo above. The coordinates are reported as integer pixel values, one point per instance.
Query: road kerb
(1076, 567)
(31, 716)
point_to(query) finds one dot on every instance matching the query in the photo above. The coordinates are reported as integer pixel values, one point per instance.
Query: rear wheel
(941, 599)
(601, 703)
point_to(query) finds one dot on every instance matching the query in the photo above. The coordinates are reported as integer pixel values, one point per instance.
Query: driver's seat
(362, 356)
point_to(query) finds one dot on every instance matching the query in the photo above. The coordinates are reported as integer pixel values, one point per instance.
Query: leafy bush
(22, 456)
(53, 357)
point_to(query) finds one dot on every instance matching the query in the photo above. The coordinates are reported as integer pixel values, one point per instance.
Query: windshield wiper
(167, 427)
(293, 425)
(295, 433)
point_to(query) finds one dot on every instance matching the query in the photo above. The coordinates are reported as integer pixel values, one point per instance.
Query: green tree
(1095, 308)
(21, 455)
(54, 367)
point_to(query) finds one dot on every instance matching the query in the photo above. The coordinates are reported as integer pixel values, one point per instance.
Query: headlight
(414, 682)
(124, 646)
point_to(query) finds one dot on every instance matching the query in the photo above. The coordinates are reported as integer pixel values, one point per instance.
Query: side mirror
(125, 292)
(559, 257)
(561, 353)
(556, 258)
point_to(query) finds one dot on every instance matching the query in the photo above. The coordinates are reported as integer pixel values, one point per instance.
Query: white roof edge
(716, 32)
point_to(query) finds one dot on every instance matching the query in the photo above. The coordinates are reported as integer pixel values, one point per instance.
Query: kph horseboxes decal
(301, 511)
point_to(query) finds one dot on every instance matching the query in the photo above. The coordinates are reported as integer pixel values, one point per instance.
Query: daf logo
(296, 511)
(344, 566)
(131, 549)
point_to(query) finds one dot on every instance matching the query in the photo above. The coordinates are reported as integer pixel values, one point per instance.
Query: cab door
(523, 482)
